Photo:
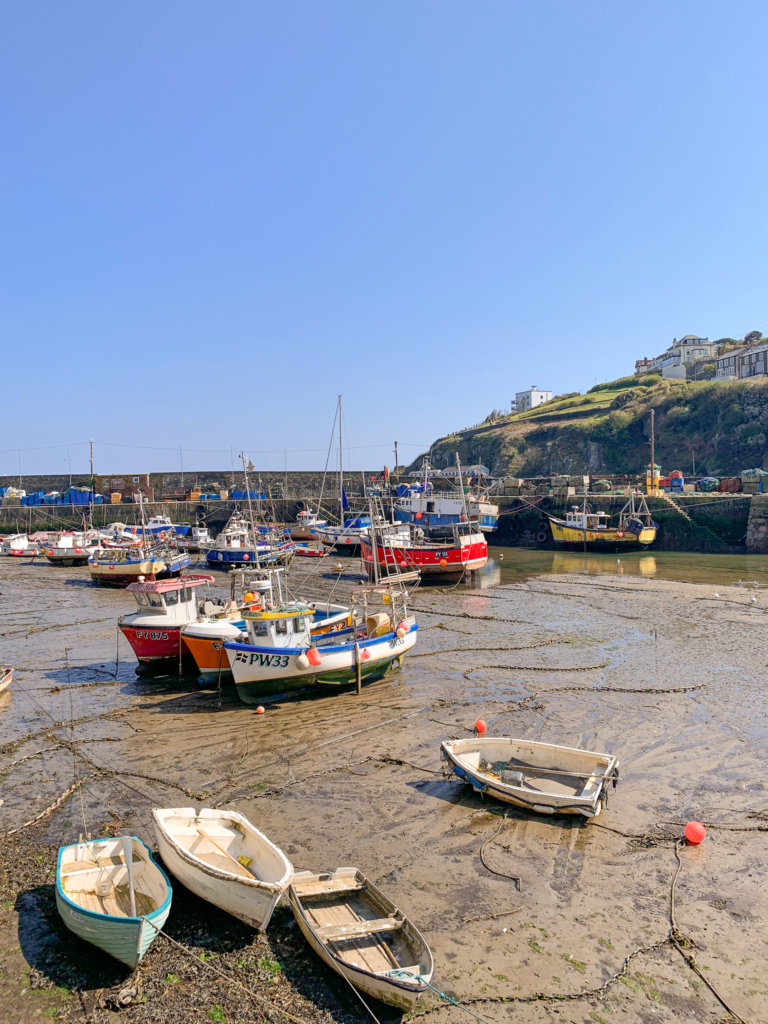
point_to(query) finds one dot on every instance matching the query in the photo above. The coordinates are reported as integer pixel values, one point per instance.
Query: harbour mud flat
(530, 918)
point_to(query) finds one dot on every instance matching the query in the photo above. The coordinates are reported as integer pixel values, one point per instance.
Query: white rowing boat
(6, 677)
(541, 777)
(112, 894)
(358, 932)
(221, 857)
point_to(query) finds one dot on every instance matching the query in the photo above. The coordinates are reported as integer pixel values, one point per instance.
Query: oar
(128, 857)
(248, 873)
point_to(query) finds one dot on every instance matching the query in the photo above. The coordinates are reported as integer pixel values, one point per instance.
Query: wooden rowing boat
(541, 777)
(112, 894)
(6, 677)
(221, 857)
(358, 932)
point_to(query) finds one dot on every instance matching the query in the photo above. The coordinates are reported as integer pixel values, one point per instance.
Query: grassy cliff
(719, 426)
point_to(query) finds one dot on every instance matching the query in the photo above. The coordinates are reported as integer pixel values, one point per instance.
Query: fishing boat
(346, 538)
(224, 859)
(307, 525)
(445, 554)
(419, 503)
(197, 540)
(118, 566)
(19, 545)
(112, 894)
(240, 543)
(164, 607)
(635, 527)
(541, 777)
(6, 677)
(72, 547)
(304, 549)
(359, 933)
(282, 653)
(163, 524)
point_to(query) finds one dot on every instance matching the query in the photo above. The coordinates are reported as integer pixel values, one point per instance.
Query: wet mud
(667, 676)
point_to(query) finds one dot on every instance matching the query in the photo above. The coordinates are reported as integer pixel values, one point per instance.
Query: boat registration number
(265, 660)
(146, 634)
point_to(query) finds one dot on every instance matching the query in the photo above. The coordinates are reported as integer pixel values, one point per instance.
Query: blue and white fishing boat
(282, 651)
(241, 544)
(421, 504)
(346, 538)
(162, 524)
(111, 893)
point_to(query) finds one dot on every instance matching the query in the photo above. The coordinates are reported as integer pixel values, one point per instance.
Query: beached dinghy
(541, 777)
(361, 934)
(112, 894)
(6, 677)
(222, 858)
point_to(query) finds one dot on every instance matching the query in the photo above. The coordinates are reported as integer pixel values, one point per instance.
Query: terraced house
(743, 362)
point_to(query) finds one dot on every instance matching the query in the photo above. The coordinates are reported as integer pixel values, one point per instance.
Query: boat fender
(541, 536)
(313, 656)
(619, 533)
(302, 661)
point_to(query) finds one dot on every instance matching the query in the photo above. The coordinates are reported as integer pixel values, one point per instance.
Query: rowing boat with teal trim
(111, 893)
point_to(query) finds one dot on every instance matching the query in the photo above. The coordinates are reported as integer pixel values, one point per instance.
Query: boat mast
(93, 488)
(341, 472)
(250, 510)
(461, 489)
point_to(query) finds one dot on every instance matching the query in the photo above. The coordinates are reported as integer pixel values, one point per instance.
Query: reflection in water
(603, 563)
(513, 565)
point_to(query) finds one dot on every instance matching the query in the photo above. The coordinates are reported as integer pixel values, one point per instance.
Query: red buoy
(260, 709)
(480, 727)
(695, 833)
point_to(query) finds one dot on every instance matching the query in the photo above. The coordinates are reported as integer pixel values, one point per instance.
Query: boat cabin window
(430, 506)
(259, 627)
(141, 600)
(154, 600)
(281, 627)
(172, 597)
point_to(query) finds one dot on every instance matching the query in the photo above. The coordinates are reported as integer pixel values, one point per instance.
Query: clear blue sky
(216, 217)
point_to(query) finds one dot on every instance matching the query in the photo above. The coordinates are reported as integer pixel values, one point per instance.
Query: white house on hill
(525, 400)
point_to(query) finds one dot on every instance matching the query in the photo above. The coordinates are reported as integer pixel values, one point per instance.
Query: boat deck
(116, 902)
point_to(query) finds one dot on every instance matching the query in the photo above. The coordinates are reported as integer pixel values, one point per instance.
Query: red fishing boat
(445, 555)
(164, 606)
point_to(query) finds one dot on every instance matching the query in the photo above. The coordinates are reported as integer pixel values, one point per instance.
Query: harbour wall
(697, 522)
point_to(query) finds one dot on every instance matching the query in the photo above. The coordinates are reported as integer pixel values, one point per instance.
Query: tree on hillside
(752, 337)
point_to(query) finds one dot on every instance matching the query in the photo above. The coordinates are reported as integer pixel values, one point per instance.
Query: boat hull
(562, 780)
(152, 645)
(125, 938)
(259, 671)
(250, 900)
(6, 677)
(610, 539)
(69, 559)
(438, 563)
(384, 985)
(120, 574)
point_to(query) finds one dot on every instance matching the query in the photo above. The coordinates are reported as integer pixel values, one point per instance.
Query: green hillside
(721, 426)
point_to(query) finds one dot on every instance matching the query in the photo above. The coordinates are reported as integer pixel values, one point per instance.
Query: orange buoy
(695, 833)
(480, 727)
(260, 709)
